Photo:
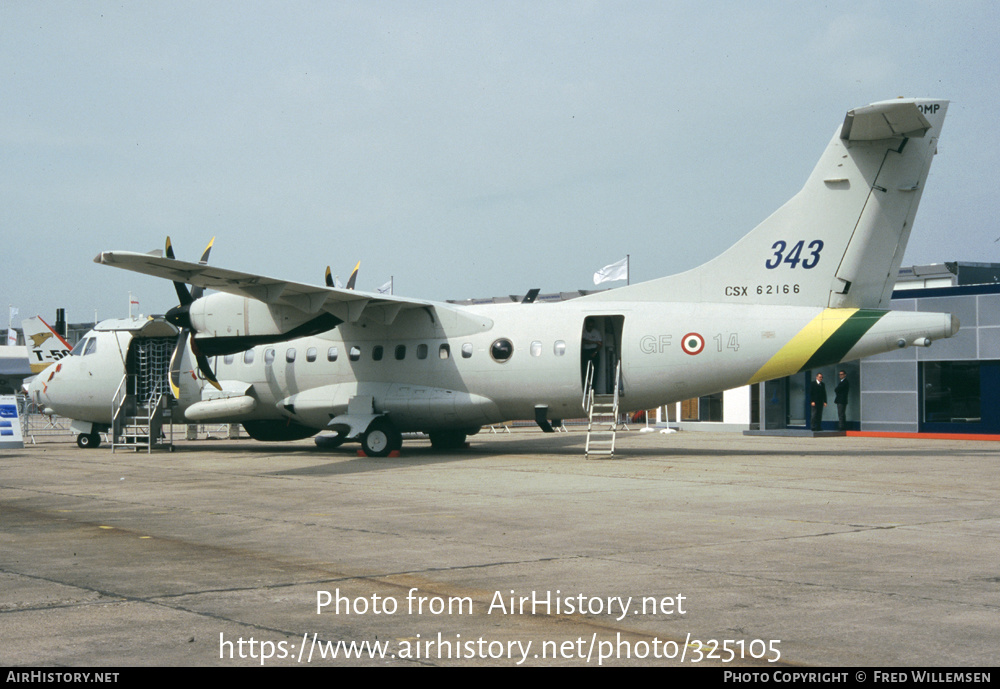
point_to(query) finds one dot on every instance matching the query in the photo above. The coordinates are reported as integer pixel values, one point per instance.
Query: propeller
(350, 281)
(180, 317)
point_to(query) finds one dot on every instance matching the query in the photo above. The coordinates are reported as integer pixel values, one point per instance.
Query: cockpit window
(80, 346)
(91, 346)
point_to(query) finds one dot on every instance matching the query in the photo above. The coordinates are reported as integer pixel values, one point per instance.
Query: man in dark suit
(840, 394)
(817, 399)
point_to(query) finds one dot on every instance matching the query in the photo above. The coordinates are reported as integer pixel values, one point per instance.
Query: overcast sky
(468, 149)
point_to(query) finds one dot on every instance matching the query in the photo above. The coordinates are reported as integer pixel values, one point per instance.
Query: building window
(707, 408)
(951, 392)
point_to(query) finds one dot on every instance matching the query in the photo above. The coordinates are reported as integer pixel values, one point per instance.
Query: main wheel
(88, 441)
(447, 440)
(329, 442)
(381, 438)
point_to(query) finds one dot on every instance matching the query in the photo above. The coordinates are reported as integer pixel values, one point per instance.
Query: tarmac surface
(734, 551)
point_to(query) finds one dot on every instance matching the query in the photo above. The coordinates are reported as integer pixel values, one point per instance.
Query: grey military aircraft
(808, 287)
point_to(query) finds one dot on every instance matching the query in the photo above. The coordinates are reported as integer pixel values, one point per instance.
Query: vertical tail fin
(44, 345)
(840, 240)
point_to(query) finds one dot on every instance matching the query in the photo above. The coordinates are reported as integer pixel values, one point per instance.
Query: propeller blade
(183, 294)
(175, 363)
(329, 277)
(197, 291)
(354, 276)
(204, 366)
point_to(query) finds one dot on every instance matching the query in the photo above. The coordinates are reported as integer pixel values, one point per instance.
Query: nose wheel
(381, 438)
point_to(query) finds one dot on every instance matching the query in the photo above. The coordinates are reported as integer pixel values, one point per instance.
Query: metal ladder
(602, 416)
(140, 409)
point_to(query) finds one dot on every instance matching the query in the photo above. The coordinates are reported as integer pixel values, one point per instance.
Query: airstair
(141, 407)
(602, 416)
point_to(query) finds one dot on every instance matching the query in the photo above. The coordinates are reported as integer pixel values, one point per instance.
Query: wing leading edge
(348, 306)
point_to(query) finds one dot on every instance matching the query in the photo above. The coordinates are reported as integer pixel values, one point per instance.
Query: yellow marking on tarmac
(796, 352)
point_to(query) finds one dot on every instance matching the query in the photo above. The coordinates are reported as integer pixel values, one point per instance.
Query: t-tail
(839, 242)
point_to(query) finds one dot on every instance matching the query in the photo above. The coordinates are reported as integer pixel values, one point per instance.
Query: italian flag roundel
(692, 343)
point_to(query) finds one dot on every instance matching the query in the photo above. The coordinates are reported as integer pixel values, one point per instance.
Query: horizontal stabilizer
(884, 120)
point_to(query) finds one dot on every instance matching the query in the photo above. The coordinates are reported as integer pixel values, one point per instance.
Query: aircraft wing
(347, 305)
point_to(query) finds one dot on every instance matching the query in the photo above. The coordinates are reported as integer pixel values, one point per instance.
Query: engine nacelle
(225, 323)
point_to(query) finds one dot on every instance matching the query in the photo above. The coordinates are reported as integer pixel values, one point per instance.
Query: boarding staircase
(140, 410)
(602, 416)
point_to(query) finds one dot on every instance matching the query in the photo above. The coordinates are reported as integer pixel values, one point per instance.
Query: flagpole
(628, 269)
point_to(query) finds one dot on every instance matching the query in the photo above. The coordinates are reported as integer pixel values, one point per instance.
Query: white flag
(11, 333)
(610, 273)
(386, 288)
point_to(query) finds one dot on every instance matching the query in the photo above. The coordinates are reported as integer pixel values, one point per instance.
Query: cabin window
(559, 348)
(501, 350)
(290, 355)
(355, 353)
(229, 358)
(331, 354)
(400, 352)
(311, 354)
(377, 353)
(444, 351)
(421, 351)
(269, 356)
(467, 350)
(248, 357)
(536, 348)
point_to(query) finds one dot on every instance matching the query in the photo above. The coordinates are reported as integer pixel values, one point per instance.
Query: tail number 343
(793, 257)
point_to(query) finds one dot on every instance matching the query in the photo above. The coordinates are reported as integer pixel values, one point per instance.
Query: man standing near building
(840, 394)
(817, 398)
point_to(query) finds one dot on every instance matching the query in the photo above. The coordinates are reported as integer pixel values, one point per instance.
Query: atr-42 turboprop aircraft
(808, 287)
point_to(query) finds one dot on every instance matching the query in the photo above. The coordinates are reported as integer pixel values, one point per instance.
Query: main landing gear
(88, 441)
